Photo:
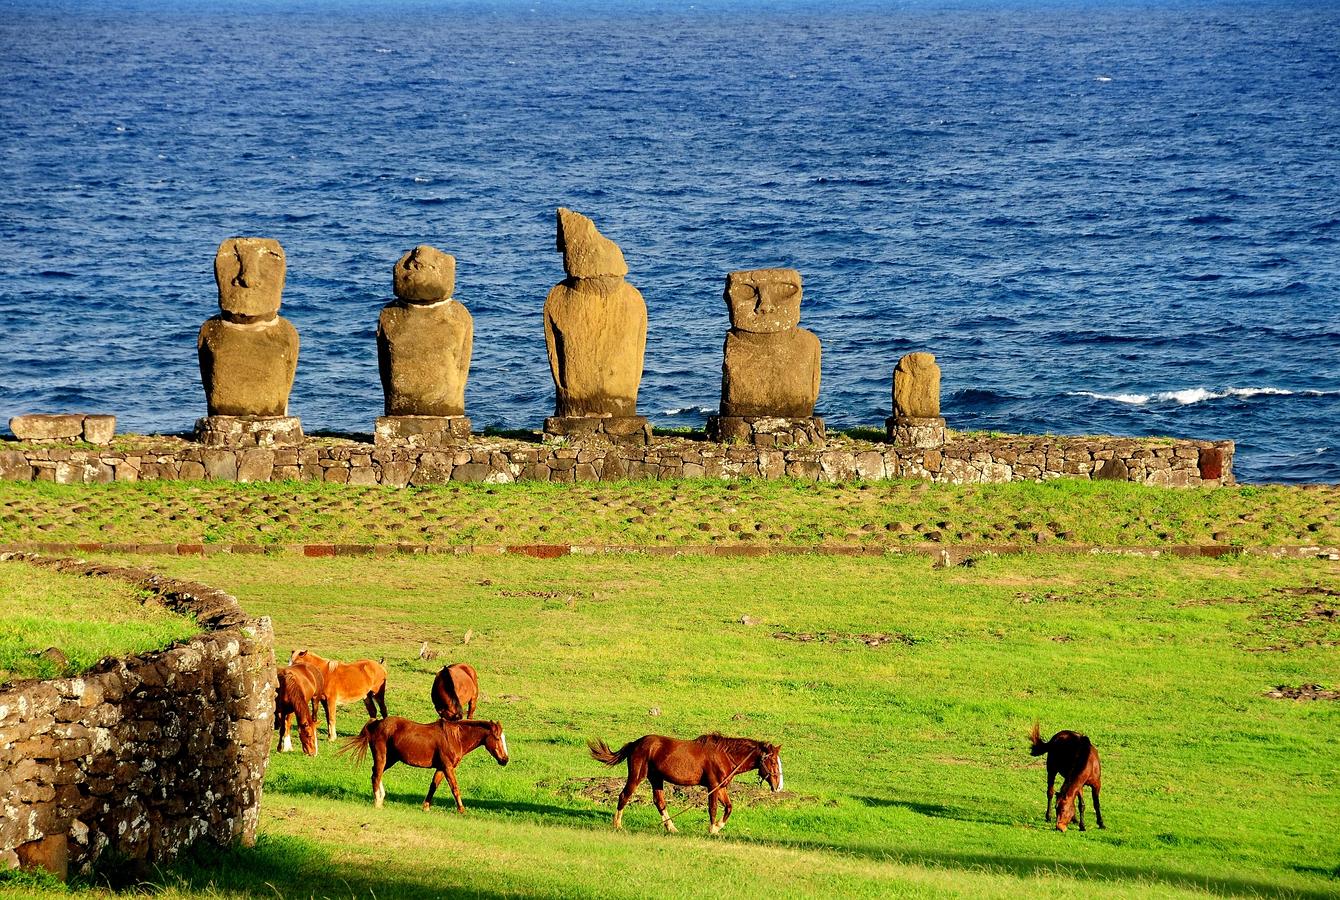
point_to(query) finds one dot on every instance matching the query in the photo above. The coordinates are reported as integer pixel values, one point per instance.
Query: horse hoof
(426, 807)
(670, 827)
(713, 829)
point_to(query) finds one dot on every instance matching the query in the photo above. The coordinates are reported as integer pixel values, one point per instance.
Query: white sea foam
(1187, 396)
(1103, 78)
(690, 410)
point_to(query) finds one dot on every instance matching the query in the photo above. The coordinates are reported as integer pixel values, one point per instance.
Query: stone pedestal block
(44, 427)
(768, 431)
(422, 431)
(919, 433)
(601, 430)
(249, 431)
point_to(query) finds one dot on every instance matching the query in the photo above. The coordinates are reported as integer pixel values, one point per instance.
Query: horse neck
(740, 756)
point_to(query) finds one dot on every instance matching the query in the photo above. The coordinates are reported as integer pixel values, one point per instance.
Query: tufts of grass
(82, 619)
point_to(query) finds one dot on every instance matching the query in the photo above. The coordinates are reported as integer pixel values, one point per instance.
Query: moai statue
(770, 374)
(424, 339)
(916, 420)
(248, 353)
(595, 326)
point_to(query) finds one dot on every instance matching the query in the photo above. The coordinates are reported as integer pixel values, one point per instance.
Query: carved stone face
(250, 275)
(764, 301)
(425, 275)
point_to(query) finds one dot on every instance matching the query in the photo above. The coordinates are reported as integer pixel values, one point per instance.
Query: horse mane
(732, 745)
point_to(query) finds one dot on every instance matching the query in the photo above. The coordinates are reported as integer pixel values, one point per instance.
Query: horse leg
(367, 704)
(378, 767)
(432, 788)
(637, 770)
(285, 736)
(712, 826)
(725, 802)
(1097, 813)
(330, 716)
(381, 698)
(1051, 793)
(1079, 807)
(470, 711)
(658, 797)
(455, 789)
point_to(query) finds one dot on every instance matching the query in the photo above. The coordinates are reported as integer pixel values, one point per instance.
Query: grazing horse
(362, 680)
(455, 688)
(709, 760)
(297, 687)
(1073, 756)
(440, 745)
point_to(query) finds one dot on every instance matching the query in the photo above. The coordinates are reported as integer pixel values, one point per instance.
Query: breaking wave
(1196, 395)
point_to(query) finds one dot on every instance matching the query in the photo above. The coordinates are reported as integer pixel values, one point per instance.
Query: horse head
(296, 655)
(770, 764)
(307, 734)
(496, 743)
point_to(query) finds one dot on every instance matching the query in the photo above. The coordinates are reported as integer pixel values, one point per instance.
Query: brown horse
(1074, 757)
(455, 690)
(709, 760)
(440, 745)
(297, 687)
(362, 680)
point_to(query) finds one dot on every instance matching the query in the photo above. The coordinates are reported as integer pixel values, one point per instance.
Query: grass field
(901, 696)
(83, 618)
(670, 513)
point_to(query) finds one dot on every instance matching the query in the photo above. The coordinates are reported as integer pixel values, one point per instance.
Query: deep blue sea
(1101, 217)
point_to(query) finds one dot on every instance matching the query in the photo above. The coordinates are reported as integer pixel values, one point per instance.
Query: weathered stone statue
(916, 420)
(595, 326)
(424, 340)
(770, 373)
(248, 353)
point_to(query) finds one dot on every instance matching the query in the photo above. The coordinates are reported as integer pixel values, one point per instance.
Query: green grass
(672, 513)
(906, 765)
(84, 618)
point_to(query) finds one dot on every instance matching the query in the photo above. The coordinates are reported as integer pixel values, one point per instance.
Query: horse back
(352, 681)
(678, 761)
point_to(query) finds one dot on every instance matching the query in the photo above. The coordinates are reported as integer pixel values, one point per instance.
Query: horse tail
(601, 752)
(359, 743)
(1039, 746)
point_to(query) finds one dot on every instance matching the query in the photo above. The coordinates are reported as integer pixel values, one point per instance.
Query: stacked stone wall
(496, 460)
(146, 755)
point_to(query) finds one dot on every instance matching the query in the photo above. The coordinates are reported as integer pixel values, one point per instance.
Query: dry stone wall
(975, 461)
(144, 755)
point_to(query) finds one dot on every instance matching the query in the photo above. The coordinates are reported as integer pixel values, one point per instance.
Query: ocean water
(1116, 217)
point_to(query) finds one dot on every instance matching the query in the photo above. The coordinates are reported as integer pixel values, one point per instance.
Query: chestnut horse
(455, 690)
(362, 680)
(709, 760)
(440, 745)
(1074, 757)
(297, 687)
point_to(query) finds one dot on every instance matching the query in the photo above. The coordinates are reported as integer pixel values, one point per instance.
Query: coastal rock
(424, 339)
(916, 387)
(47, 427)
(595, 326)
(771, 367)
(248, 354)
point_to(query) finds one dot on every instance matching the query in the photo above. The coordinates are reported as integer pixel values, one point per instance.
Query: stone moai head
(424, 275)
(916, 387)
(586, 252)
(250, 275)
(763, 301)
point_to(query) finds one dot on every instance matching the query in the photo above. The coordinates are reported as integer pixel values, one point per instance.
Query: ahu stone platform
(962, 460)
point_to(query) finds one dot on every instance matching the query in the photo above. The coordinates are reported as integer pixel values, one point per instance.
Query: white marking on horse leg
(379, 794)
(618, 818)
(669, 825)
(713, 828)
(781, 778)
(287, 745)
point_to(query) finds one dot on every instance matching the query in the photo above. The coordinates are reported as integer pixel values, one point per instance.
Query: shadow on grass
(1028, 867)
(939, 811)
(283, 867)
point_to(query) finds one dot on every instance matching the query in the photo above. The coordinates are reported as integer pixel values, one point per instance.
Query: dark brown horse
(455, 690)
(440, 745)
(361, 680)
(1074, 757)
(293, 697)
(709, 760)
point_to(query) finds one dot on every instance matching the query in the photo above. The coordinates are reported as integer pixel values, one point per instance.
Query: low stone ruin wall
(497, 460)
(145, 755)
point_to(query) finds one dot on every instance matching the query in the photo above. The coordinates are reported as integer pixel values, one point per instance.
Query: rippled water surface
(1114, 219)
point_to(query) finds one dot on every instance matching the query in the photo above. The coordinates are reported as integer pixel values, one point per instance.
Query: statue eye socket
(743, 293)
(785, 290)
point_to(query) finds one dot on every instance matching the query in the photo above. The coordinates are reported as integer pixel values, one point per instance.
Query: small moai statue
(248, 353)
(595, 328)
(424, 340)
(916, 420)
(771, 366)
